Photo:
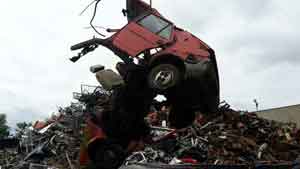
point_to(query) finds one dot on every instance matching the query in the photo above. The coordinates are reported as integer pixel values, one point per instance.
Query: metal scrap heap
(227, 138)
(53, 144)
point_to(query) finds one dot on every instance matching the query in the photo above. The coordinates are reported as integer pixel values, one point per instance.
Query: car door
(148, 32)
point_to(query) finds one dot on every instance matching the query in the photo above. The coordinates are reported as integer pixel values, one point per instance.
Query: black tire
(164, 76)
(105, 154)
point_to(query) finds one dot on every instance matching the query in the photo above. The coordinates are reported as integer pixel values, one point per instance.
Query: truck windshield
(156, 25)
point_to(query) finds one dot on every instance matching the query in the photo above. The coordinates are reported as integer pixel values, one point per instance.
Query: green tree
(23, 125)
(4, 129)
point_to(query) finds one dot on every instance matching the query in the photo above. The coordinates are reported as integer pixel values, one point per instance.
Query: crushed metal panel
(87, 89)
(45, 129)
(9, 143)
(77, 95)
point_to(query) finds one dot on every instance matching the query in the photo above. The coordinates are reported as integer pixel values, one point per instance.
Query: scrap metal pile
(227, 138)
(54, 144)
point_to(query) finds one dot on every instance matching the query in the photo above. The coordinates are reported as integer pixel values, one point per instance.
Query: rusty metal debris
(227, 138)
(52, 146)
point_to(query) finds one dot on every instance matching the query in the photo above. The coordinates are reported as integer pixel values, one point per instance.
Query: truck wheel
(164, 76)
(105, 154)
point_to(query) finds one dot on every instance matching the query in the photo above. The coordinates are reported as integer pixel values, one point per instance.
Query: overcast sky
(256, 42)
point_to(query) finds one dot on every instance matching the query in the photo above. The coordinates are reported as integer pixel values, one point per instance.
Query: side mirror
(75, 59)
(96, 68)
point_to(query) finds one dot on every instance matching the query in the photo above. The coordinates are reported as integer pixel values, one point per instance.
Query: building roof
(297, 106)
(283, 114)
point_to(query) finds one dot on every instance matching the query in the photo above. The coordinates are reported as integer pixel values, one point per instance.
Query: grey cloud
(272, 50)
(251, 9)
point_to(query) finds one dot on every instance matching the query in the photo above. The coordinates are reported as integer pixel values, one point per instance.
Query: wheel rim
(164, 79)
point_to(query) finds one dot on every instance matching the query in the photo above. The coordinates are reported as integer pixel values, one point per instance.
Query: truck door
(148, 32)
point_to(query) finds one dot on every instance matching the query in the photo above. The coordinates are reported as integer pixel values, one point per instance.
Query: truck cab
(182, 66)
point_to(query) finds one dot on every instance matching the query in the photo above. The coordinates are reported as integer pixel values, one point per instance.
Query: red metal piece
(39, 125)
(133, 39)
(189, 160)
(92, 133)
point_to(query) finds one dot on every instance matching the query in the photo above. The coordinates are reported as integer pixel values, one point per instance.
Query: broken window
(157, 25)
(166, 33)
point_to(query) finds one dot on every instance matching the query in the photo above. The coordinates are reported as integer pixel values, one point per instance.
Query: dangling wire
(93, 17)
(94, 14)
(90, 4)
(99, 27)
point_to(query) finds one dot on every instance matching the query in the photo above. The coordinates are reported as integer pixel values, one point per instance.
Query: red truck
(182, 67)
(178, 65)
